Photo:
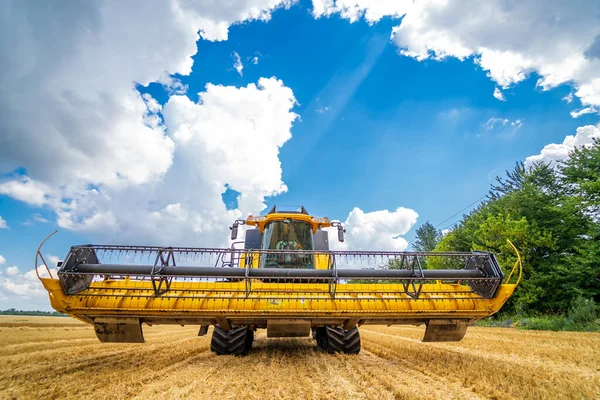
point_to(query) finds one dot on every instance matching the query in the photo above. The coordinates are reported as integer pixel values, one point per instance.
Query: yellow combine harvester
(284, 279)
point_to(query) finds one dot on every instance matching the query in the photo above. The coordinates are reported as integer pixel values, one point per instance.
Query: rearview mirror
(341, 231)
(234, 231)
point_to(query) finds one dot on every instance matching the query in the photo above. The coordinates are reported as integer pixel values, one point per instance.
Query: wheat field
(57, 358)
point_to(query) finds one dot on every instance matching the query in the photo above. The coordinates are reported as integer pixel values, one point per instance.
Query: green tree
(549, 213)
(427, 237)
(581, 177)
(581, 173)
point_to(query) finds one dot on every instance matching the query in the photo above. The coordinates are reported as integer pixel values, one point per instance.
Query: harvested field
(53, 357)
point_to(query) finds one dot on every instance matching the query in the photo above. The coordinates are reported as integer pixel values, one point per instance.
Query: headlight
(257, 219)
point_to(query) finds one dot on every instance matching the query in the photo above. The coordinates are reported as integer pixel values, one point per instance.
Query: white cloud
(216, 143)
(52, 260)
(71, 127)
(172, 85)
(237, 63)
(44, 272)
(502, 124)
(510, 40)
(26, 285)
(255, 60)
(353, 10)
(558, 40)
(26, 190)
(498, 94)
(25, 289)
(584, 136)
(568, 98)
(583, 111)
(98, 153)
(3, 224)
(153, 105)
(37, 217)
(322, 110)
(215, 17)
(220, 137)
(376, 230)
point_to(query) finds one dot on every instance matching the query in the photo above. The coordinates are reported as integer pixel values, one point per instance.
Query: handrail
(518, 262)
(38, 253)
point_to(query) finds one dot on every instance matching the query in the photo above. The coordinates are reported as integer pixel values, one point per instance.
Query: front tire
(237, 341)
(334, 339)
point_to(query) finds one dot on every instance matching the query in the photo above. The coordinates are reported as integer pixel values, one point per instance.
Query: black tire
(320, 337)
(237, 341)
(334, 339)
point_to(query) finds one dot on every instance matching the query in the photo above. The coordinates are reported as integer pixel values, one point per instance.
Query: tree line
(551, 212)
(13, 311)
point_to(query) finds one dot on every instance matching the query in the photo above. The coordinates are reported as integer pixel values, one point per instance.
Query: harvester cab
(285, 279)
(293, 235)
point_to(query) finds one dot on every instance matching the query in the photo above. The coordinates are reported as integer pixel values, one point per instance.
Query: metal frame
(155, 275)
(480, 271)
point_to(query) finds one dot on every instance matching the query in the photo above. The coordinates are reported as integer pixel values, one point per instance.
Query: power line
(454, 215)
(476, 201)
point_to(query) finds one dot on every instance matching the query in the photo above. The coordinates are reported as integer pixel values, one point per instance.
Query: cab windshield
(288, 235)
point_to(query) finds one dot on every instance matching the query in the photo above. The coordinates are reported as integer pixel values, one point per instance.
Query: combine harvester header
(282, 277)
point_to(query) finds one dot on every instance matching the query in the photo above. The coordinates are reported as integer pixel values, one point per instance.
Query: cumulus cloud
(568, 98)
(584, 136)
(24, 289)
(498, 94)
(221, 136)
(172, 85)
(583, 111)
(97, 152)
(230, 138)
(353, 10)
(26, 190)
(376, 230)
(25, 285)
(52, 260)
(3, 224)
(153, 105)
(237, 63)
(509, 40)
(88, 122)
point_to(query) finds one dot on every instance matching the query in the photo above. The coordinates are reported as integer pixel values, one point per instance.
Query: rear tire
(237, 341)
(334, 339)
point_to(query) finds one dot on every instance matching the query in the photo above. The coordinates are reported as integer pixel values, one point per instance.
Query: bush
(583, 311)
(582, 318)
(547, 323)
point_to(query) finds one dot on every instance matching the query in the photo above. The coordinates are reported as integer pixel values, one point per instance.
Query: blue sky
(375, 130)
(397, 131)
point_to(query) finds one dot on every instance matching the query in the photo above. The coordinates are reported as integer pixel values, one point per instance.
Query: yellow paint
(260, 222)
(361, 301)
